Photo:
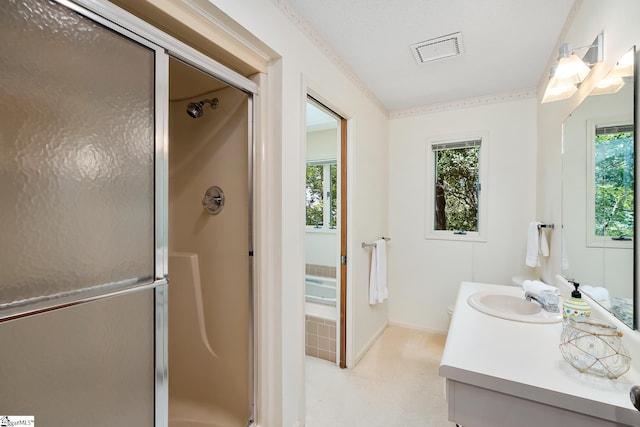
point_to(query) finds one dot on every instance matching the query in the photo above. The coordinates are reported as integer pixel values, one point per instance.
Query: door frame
(343, 160)
(343, 242)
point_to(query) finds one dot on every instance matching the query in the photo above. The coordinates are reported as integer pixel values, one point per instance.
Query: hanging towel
(378, 290)
(532, 245)
(565, 257)
(537, 244)
(543, 245)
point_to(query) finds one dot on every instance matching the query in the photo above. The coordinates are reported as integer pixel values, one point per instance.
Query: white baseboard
(418, 327)
(367, 346)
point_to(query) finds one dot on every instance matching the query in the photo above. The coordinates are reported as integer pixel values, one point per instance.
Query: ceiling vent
(439, 48)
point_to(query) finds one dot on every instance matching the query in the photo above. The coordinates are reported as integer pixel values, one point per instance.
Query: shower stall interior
(210, 364)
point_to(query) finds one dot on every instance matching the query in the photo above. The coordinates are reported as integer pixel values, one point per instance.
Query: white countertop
(523, 359)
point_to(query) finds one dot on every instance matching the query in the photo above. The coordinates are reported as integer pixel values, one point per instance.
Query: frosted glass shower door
(77, 158)
(82, 166)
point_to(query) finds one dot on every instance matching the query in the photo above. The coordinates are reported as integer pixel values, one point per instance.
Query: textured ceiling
(507, 44)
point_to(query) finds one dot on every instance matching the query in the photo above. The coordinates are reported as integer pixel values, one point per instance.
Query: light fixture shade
(569, 72)
(610, 84)
(571, 69)
(615, 80)
(558, 89)
(624, 67)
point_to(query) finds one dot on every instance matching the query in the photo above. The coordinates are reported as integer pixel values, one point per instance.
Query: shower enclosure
(102, 174)
(209, 264)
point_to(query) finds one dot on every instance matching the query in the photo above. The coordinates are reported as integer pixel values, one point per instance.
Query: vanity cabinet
(502, 373)
(472, 406)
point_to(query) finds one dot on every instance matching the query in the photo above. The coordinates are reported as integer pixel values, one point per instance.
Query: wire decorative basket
(595, 347)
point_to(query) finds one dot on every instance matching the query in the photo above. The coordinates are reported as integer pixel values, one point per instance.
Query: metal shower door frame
(165, 46)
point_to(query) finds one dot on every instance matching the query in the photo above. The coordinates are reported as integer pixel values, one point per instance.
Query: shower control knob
(213, 200)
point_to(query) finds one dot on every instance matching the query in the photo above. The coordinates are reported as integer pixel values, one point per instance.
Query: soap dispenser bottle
(575, 306)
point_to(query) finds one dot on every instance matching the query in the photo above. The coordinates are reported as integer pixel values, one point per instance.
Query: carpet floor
(395, 384)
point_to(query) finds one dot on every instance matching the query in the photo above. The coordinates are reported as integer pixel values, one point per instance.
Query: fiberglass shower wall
(209, 345)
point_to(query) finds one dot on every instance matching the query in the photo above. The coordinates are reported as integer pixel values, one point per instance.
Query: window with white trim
(456, 187)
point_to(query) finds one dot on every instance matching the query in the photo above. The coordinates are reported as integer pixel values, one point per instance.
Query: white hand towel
(373, 277)
(564, 255)
(543, 245)
(533, 246)
(378, 290)
(537, 287)
(381, 255)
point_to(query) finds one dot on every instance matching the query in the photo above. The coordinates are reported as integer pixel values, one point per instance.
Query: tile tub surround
(320, 270)
(522, 361)
(320, 338)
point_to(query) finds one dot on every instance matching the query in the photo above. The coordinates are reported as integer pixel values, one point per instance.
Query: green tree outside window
(614, 183)
(322, 195)
(334, 195)
(315, 201)
(457, 187)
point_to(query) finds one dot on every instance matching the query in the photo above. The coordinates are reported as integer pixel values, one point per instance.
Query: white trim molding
(465, 103)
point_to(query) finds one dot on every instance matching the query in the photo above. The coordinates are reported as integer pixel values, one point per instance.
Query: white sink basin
(511, 307)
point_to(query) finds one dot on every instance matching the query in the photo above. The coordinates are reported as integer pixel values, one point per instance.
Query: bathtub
(320, 290)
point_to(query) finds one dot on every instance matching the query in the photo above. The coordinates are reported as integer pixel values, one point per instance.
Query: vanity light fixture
(609, 84)
(624, 67)
(570, 70)
(614, 81)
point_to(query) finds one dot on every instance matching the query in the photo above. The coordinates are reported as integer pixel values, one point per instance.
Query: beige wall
(425, 274)
(322, 144)
(212, 150)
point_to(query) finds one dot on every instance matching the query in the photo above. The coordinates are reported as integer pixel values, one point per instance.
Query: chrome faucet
(547, 300)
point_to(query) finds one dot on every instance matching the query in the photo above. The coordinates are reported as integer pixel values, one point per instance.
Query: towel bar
(551, 226)
(371, 245)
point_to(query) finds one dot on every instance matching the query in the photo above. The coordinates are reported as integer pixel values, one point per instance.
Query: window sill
(321, 230)
(608, 243)
(448, 235)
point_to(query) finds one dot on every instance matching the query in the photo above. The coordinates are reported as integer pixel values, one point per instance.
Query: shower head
(194, 109)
